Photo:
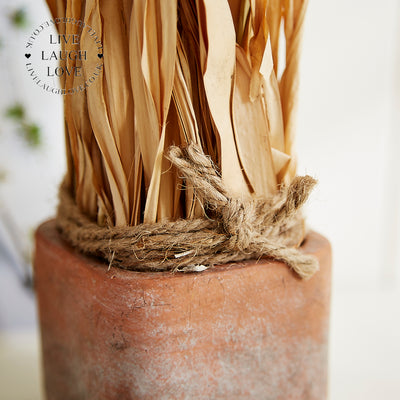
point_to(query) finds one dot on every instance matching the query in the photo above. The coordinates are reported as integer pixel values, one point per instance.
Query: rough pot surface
(249, 330)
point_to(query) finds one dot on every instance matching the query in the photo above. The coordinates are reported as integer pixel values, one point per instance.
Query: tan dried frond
(177, 72)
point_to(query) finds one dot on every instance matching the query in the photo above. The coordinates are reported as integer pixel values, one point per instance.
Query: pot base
(249, 330)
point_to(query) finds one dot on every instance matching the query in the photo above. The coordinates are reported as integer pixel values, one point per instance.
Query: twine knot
(238, 223)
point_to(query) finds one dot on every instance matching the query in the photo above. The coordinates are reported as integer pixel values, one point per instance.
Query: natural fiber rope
(235, 230)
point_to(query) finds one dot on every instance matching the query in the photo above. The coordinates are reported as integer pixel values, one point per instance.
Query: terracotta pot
(250, 330)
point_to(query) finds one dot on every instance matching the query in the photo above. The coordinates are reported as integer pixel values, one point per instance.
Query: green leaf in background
(16, 112)
(31, 133)
(19, 18)
(29, 130)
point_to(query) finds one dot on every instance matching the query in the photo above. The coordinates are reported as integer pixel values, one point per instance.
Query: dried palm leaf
(274, 18)
(294, 13)
(99, 118)
(218, 56)
(252, 132)
(152, 57)
(176, 72)
(189, 46)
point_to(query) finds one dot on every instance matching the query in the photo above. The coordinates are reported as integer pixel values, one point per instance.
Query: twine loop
(234, 230)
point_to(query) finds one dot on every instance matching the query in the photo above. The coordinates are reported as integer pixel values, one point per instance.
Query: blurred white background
(348, 137)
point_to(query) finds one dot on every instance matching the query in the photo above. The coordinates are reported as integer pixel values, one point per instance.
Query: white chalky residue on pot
(191, 374)
(268, 358)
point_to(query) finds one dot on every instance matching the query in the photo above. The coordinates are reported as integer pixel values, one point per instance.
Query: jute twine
(233, 230)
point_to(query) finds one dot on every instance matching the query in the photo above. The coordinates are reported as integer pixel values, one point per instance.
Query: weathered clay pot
(250, 330)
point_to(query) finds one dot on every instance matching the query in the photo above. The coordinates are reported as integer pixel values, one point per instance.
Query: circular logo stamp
(65, 62)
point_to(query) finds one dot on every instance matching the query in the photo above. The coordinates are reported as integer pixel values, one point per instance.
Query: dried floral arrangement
(187, 136)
